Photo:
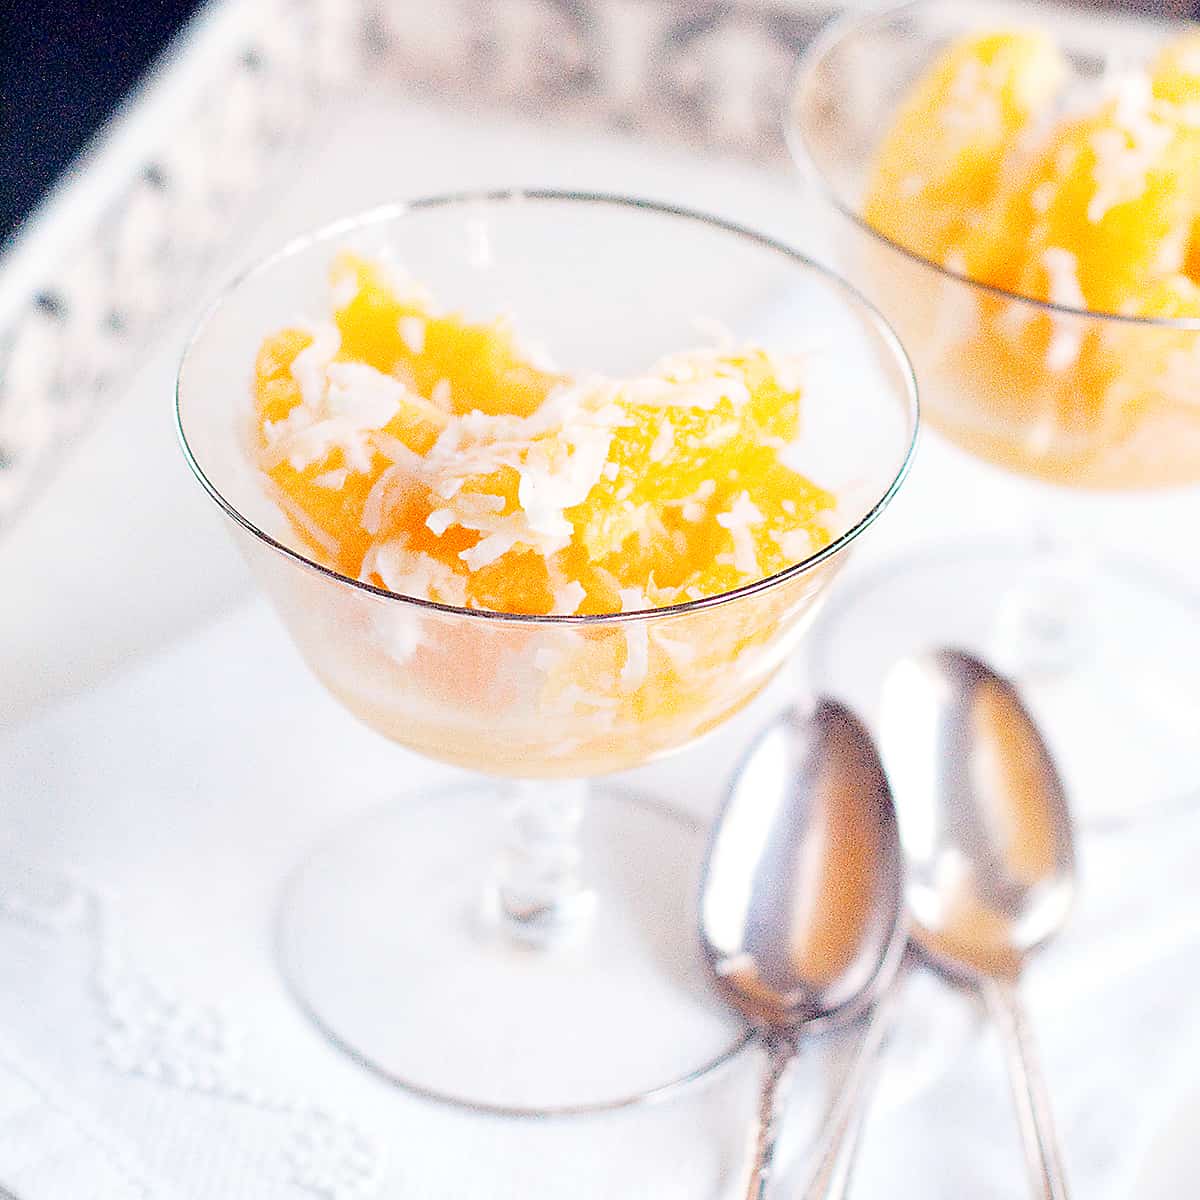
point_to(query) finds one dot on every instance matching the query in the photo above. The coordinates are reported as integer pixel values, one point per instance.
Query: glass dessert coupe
(544, 962)
(1106, 650)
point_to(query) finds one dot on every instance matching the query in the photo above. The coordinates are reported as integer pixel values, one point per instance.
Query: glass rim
(398, 209)
(833, 35)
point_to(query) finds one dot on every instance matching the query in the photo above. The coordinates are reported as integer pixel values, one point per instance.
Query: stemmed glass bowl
(1105, 648)
(484, 943)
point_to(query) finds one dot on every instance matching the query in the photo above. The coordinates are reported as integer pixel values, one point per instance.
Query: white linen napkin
(149, 1048)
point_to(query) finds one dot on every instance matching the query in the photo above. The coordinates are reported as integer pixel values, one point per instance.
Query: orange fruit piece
(1121, 198)
(940, 162)
(323, 489)
(443, 358)
(699, 502)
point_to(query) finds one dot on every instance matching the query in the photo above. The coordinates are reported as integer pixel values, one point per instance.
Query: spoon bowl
(989, 846)
(985, 827)
(802, 890)
(803, 883)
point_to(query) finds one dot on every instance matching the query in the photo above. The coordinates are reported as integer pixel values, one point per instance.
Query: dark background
(65, 64)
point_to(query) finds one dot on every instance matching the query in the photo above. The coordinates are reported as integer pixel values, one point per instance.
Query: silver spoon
(989, 851)
(802, 892)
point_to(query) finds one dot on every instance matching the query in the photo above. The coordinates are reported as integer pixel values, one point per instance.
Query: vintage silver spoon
(802, 892)
(988, 847)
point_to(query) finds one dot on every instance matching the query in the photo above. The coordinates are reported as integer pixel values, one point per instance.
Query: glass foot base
(1121, 716)
(386, 940)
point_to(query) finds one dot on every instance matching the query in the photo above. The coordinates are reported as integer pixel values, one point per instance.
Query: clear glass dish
(1103, 646)
(405, 936)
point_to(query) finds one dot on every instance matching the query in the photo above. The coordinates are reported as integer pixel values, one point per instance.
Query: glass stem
(1043, 626)
(539, 896)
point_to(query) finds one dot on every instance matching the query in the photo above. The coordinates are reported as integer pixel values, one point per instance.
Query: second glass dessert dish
(1020, 195)
(542, 561)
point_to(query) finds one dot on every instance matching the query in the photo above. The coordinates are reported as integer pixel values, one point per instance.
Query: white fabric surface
(148, 826)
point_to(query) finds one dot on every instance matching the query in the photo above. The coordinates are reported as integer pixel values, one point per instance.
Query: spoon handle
(1033, 1103)
(831, 1179)
(772, 1101)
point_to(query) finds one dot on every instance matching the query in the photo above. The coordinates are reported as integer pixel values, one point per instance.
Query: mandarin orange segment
(324, 492)
(325, 503)
(276, 392)
(696, 504)
(443, 358)
(1121, 200)
(940, 162)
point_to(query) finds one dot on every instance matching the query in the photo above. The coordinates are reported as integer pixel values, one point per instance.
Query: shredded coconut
(1126, 152)
(412, 333)
(386, 492)
(342, 407)
(569, 597)
(663, 442)
(409, 573)
(637, 641)
(309, 366)
(334, 480)
(1062, 277)
(439, 521)
(795, 544)
(740, 520)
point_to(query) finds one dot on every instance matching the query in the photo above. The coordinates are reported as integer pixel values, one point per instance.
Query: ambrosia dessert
(1005, 169)
(438, 459)
(442, 460)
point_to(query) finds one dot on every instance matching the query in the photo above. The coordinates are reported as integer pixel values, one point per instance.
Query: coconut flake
(569, 597)
(637, 641)
(393, 483)
(310, 365)
(740, 520)
(334, 480)
(412, 333)
(408, 572)
(439, 521)
(794, 544)
(1063, 288)
(1126, 152)
(1042, 196)
(353, 401)
(440, 396)
(344, 287)
(663, 443)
